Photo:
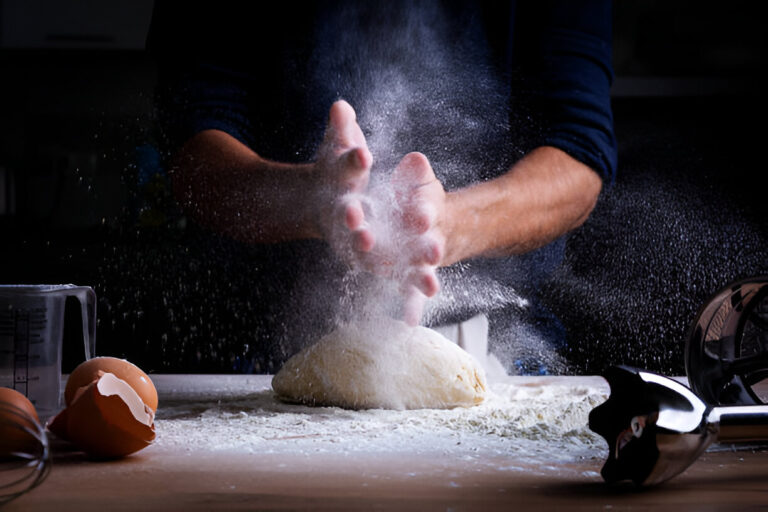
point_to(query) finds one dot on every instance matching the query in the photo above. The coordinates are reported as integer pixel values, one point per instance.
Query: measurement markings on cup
(7, 345)
(22, 334)
(21, 352)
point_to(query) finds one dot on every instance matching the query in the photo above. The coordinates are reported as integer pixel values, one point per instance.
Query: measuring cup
(31, 333)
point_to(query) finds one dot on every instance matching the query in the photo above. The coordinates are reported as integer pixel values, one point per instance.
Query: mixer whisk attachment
(25, 454)
(726, 354)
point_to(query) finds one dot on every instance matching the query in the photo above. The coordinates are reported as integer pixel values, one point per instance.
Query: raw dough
(383, 364)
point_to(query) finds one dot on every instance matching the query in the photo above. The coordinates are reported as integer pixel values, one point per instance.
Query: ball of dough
(382, 364)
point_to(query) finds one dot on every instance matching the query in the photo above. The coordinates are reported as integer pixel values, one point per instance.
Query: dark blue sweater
(251, 72)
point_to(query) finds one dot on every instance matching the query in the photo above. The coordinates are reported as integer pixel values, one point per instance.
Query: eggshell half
(58, 424)
(109, 419)
(91, 370)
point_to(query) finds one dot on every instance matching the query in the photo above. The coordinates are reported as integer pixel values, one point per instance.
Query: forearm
(227, 187)
(543, 196)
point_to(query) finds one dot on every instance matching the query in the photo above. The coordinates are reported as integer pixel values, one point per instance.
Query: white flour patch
(539, 421)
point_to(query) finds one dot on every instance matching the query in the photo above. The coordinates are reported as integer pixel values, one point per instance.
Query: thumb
(342, 131)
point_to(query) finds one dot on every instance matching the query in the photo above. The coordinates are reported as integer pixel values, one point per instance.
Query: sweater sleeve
(200, 82)
(195, 96)
(563, 49)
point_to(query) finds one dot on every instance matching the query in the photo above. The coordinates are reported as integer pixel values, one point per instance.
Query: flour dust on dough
(383, 364)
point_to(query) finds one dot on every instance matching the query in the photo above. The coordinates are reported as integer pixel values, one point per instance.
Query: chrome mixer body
(656, 427)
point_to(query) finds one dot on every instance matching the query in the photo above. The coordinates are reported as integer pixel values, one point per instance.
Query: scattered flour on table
(533, 423)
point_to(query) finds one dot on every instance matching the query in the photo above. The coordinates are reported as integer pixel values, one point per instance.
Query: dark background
(84, 198)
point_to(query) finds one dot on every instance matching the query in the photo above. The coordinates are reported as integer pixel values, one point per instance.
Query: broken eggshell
(94, 368)
(106, 419)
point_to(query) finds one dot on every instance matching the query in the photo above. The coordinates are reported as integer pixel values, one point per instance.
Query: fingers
(413, 170)
(418, 193)
(352, 215)
(343, 132)
(340, 118)
(421, 285)
(411, 254)
(344, 156)
(414, 181)
(363, 240)
(343, 171)
(425, 250)
(425, 280)
(413, 306)
(418, 216)
(340, 110)
(361, 158)
(354, 170)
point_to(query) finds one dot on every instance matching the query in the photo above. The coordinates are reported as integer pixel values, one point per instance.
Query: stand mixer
(656, 427)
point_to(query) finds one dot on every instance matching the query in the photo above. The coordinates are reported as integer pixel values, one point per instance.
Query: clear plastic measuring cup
(31, 332)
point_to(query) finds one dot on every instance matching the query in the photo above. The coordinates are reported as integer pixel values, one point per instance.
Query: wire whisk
(25, 453)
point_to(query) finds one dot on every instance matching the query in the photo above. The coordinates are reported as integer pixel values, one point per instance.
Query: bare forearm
(543, 196)
(227, 187)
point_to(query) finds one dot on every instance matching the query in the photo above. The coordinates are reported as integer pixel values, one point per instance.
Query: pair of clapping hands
(398, 235)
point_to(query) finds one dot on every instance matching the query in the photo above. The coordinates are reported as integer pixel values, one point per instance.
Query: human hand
(421, 207)
(341, 173)
(402, 239)
(406, 219)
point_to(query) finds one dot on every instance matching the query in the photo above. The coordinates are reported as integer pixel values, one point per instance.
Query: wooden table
(159, 478)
